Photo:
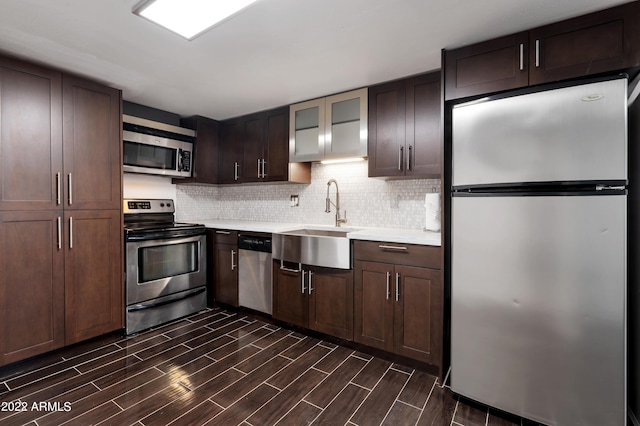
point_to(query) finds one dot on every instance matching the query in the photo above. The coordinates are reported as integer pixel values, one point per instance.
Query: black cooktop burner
(154, 219)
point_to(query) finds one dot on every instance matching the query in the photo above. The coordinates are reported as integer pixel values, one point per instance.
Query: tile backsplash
(367, 201)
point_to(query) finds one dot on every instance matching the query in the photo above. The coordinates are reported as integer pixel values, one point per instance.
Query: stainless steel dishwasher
(254, 272)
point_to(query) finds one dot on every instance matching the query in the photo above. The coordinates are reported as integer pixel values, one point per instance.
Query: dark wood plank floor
(223, 368)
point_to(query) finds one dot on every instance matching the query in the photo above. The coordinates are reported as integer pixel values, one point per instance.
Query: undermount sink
(329, 248)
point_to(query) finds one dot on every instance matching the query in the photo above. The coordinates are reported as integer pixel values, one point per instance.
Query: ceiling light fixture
(189, 18)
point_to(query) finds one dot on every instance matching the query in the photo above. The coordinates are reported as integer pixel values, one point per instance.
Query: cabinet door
(92, 126)
(490, 66)
(94, 301)
(387, 129)
(346, 125)
(306, 131)
(373, 306)
(231, 151)
(290, 302)
(423, 139)
(590, 44)
(31, 284)
(276, 145)
(418, 323)
(30, 137)
(331, 301)
(253, 143)
(205, 166)
(226, 286)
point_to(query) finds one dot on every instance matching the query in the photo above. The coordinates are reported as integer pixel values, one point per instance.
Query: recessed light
(189, 18)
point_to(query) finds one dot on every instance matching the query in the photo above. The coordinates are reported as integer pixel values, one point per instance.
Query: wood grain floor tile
(500, 418)
(376, 406)
(402, 414)
(470, 413)
(302, 414)
(280, 405)
(341, 408)
(333, 385)
(221, 367)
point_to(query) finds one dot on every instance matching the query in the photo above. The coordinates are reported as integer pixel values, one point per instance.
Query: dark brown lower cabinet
(226, 266)
(31, 284)
(94, 301)
(398, 308)
(320, 299)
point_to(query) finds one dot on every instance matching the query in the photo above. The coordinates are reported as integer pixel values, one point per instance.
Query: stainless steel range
(165, 276)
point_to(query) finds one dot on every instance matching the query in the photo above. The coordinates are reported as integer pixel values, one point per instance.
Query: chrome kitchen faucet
(327, 209)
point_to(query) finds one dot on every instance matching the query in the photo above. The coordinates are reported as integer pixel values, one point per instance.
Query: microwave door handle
(179, 159)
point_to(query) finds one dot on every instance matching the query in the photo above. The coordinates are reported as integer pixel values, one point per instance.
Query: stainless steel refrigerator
(539, 252)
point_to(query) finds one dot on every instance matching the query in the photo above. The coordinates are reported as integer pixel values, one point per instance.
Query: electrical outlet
(294, 201)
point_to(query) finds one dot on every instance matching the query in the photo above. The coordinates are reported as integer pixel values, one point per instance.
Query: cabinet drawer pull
(303, 286)
(70, 232)
(58, 188)
(70, 189)
(59, 233)
(259, 168)
(223, 232)
(397, 286)
(387, 247)
(233, 260)
(537, 53)
(400, 155)
(388, 285)
(521, 56)
(235, 171)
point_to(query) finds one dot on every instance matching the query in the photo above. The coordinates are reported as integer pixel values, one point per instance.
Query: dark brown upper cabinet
(255, 148)
(599, 42)
(205, 167)
(404, 127)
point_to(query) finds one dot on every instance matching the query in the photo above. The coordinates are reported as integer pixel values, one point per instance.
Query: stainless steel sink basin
(316, 247)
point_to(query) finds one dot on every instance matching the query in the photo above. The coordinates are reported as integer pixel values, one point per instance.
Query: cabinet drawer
(224, 236)
(399, 254)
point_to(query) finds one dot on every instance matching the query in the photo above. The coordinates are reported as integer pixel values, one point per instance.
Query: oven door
(162, 267)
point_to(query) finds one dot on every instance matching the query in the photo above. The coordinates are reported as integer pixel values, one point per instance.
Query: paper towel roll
(432, 206)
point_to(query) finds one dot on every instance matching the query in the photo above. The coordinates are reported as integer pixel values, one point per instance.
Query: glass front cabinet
(329, 128)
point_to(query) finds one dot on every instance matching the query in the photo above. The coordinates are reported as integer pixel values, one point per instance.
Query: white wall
(147, 186)
(367, 201)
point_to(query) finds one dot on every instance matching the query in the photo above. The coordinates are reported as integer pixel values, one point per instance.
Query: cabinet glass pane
(345, 137)
(307, 118)
(307, 141)
(345, 111)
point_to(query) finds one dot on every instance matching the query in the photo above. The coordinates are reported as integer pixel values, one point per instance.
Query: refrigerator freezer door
(538, 306)
(576, 133)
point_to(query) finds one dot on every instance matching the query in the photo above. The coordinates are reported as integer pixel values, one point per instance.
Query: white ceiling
(274, 53)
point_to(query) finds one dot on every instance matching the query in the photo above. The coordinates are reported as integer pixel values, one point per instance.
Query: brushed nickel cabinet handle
(259, 168)
(70, 232)
(409, 155)
(59, 233)
(310, 288)
(521, 56)
(70, 189)
(388, 285)
(537, 53)
(233, 260)
(264, 168)
(58, 190)
(235, 171)
(388, 247)
(303, 286)
(397, 286)
(400, 155)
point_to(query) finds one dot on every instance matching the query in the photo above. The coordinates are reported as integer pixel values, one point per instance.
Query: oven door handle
(166, 300)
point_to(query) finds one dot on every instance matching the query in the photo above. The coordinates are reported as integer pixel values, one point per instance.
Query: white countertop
(392, 235)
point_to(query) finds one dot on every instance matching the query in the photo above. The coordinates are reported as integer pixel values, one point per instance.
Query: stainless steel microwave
(149, 149)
